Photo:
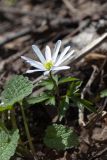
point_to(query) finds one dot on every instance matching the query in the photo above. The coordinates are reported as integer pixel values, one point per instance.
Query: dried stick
(18, 11)
(85, 51)
(15, 35)
(70, 7)
(87, 86)
(13, 58)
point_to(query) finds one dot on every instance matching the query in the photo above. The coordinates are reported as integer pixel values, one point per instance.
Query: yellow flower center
(48, 65)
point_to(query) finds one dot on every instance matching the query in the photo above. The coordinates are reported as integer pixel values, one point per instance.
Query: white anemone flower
(51, 61)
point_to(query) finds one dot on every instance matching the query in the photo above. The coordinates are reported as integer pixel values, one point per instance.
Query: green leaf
(3, 108)
(68, 79)
(55, 77)
(74, 88)
(60, 137)
(3, 127)
(51, 101)
(39, 99)
(48, 84)
(16, 90)
(85, 103)
(8, 144)
(103, 93)
(63, 107)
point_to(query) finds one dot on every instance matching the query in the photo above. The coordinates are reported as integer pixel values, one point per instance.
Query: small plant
(18, 91)
(8, 144)
(60, 137)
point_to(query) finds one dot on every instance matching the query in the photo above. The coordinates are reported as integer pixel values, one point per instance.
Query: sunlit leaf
(3, 108)
(88, 105)
(8, 144)
(73, 88)
(84, 103)
(15, 90)
(60, 137)
(48, 84)
(51, 101)
(68, 79)
(38, 99)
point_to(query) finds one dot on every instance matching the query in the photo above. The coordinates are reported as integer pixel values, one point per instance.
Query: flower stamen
(48, 64)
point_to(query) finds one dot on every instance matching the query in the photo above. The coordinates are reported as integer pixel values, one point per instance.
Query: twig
(91, 79)
(85, 51)
(27, 131)
(18, 11)
(99, 154)
(15, 35)
(94, 74)
(12, 58)
(82, 26)
(87, 86)
(70, 7)
(32, 29)
(94, 117)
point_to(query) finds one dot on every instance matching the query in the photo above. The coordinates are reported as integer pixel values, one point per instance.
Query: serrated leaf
(3, 127)
(60, 137)
(68, 79)
(48, 84)
(63, 107)
(39, 99)
(74, 88)
(51, 101)
(83, 102)
(16, 90)
(103, 93)
(8, 144)
(88, 105)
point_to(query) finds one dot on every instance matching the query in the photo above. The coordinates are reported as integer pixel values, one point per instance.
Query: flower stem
(27, 131)
(57, 94)
(56, 87)
(13, 119)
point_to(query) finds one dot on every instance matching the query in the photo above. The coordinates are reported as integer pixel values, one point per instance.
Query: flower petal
(48, 53)
(34, 70)
(62, 55)
(69, 55)
(56, 50)
(46, 73)
(38, 53)
(65, 58)
(60, 68)
(33, 63)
